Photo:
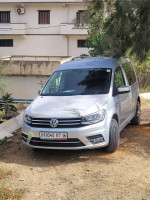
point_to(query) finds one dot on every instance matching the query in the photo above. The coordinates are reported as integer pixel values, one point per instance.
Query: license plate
(53, 136)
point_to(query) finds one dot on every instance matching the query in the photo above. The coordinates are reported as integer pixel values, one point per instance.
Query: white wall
(24, 87)
(43, 40)
(59, 13)
(73, 49)
(37, 45)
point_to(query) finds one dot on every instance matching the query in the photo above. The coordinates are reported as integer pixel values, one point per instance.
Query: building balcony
(13, 29)
(72, 29)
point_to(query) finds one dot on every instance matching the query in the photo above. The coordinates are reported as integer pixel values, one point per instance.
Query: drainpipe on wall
(67, 45)
(68, 13)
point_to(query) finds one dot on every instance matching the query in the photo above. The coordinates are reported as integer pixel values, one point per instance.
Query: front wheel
(114, 137)
(137, 118)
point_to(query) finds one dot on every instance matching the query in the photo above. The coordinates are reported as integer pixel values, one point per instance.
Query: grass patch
(144, 100)
(4, 173)
(2, 120)
(5, 141)
(7, 193)
(142, 90)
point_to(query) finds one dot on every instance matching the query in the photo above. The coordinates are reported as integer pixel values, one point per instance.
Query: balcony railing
(64, 29)
(13, 29)
(72, 29)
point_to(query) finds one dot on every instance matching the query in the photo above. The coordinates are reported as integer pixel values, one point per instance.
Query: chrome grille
(65, 122)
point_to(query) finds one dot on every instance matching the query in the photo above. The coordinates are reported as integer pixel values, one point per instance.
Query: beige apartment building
(55, 28)
(36, 36)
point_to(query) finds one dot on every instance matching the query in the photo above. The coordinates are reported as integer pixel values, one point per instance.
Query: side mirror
(123, 89)
(39, 91)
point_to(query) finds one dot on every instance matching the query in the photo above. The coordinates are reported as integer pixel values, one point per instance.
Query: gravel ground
(86, 174)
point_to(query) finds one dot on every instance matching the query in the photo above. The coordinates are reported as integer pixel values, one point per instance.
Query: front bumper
(78, 138)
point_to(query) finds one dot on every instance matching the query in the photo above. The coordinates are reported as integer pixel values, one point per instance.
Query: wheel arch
(115, 116)
(138, 99)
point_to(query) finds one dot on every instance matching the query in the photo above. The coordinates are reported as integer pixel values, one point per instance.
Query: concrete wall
(36, 1)
(28, 74)
(30, 68)
(24, 88)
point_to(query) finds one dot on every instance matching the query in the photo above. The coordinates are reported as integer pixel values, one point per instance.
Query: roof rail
(80, 57)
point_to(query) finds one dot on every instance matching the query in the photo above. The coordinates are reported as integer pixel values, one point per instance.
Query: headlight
(94, 118)
(27, 118)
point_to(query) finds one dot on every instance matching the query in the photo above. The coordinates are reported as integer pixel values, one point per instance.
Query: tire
(137, 118)
(114, 137)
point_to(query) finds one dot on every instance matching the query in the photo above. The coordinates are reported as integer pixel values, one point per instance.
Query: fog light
(95, 139)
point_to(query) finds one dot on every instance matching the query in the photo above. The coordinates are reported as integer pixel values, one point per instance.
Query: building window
(4, 16)
(44, 17)
(6, 43)
(82, 17)
(81, 43)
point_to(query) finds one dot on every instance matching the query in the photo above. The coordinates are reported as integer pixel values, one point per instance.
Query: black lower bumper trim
(72, 142)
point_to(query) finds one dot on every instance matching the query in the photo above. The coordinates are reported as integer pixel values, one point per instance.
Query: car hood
(66, 106)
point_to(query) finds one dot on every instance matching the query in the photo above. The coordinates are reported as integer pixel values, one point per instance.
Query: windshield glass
(78, 82)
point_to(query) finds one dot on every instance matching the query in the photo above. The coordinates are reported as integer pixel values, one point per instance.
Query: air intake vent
(72, 142)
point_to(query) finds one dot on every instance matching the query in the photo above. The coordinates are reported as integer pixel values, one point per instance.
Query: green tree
(119, 27)
(122, 28)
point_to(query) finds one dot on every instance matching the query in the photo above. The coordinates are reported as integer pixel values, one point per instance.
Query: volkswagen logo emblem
(54, 123)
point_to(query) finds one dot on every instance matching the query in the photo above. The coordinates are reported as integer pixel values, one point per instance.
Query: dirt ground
(83, 175)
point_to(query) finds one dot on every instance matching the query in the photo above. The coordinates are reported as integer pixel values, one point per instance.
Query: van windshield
(78, 82)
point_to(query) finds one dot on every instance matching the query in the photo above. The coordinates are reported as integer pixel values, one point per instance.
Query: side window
(130, 74)
(119, 79)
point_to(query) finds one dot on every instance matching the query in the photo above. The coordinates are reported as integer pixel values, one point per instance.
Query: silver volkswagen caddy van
(84, 105)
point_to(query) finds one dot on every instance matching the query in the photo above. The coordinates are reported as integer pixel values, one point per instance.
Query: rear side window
(130, 74)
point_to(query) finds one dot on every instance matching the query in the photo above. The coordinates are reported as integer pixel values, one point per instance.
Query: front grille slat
(62, 122)
(69, 120)
(69, 124)
(40, 120)
(41, 123)
(71, 142)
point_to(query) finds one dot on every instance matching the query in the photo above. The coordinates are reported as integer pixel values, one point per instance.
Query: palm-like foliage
(6, 103)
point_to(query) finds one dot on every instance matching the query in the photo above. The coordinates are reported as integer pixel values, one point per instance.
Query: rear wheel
(137, 118)
(114, 137)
